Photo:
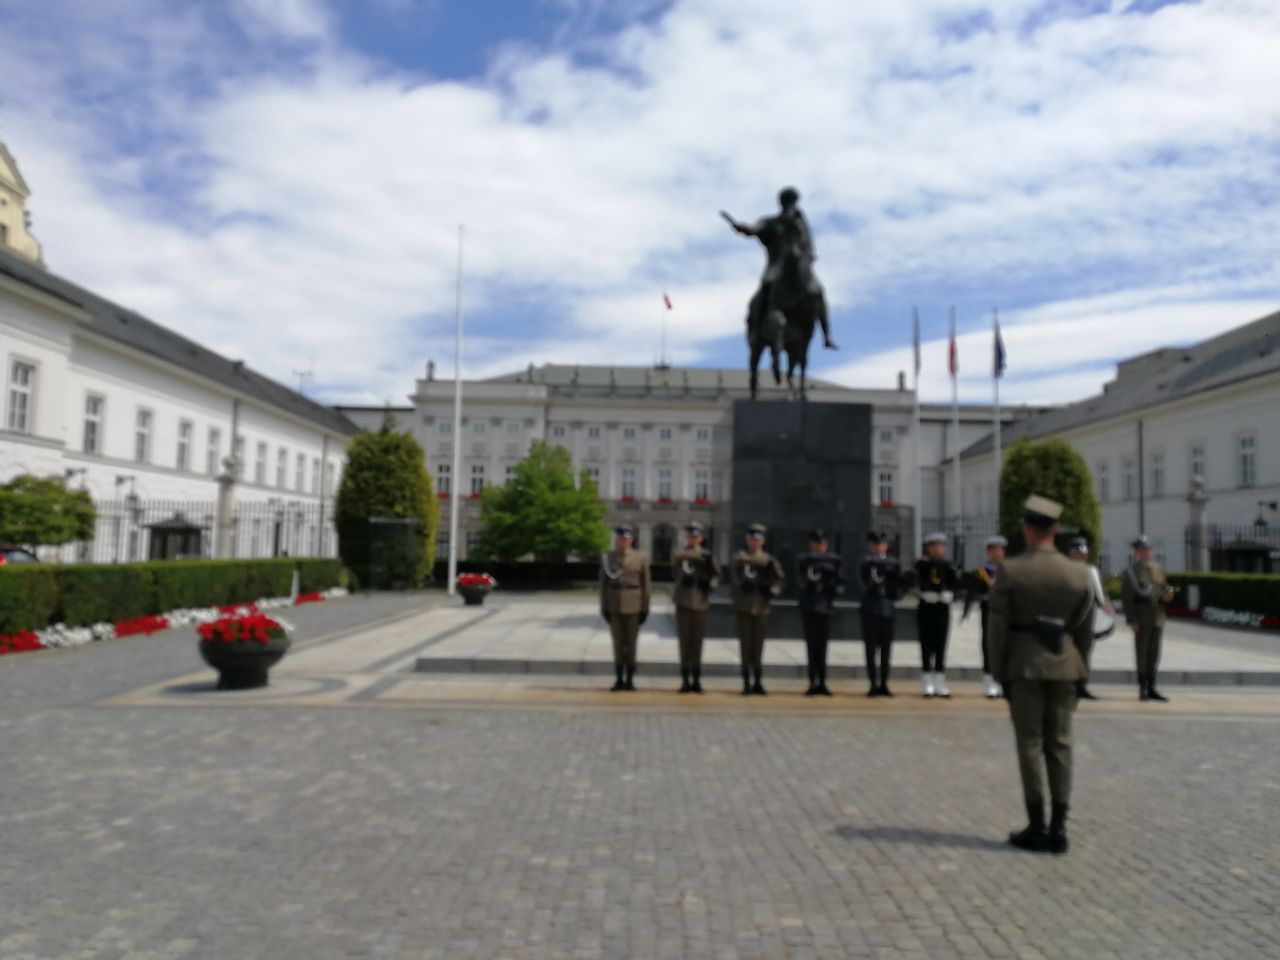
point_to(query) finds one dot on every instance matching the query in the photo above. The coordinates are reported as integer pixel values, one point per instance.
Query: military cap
(1040, 511)
(936, 537)
(756, 530)
(624, 530)
(694, 527)
(877, 536)
(1078, 545)
(996, 541)
(1142, 541)
(817, 536)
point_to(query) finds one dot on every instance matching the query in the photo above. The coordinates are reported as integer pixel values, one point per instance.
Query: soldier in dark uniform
(881, 587)
(818, 573)
(758, 578)
(936, 580)
(1145, 590)
(624, 601)
(1041, 634)
(977, 584)
(696, 574)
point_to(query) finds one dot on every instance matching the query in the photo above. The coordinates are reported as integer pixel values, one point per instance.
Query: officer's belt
(1050, 631)
(936, 596)
(625, 586)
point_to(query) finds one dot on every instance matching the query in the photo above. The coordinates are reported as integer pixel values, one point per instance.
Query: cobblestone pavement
(402, 816)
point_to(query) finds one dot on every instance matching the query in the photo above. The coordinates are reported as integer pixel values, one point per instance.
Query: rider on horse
(788, 274)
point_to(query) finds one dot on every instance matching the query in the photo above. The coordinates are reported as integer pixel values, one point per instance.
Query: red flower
(254, 628)
(476, 580)
(308, 598)
(23, 641)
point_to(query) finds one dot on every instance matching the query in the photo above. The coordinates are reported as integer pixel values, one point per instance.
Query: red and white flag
(953, 364)
(667, 300)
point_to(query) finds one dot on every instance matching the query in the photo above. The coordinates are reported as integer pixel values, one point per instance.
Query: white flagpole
(455, 494)
(957, 501)
(917, 534)
(995, 380)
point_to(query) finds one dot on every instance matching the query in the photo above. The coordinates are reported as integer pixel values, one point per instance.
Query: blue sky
(284, 179)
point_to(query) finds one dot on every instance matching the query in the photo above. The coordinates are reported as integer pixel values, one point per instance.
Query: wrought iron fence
(1234, 548)
(133, 529)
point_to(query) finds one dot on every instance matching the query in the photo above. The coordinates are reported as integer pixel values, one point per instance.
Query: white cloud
(1119, 170)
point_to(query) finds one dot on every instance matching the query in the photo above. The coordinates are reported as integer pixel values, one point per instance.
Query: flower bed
(62, 635)
(255, 628)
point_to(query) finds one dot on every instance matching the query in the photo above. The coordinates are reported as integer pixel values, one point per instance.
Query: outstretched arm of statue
(742, 228)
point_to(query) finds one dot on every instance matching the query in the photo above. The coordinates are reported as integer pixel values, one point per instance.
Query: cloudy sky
(284, 179)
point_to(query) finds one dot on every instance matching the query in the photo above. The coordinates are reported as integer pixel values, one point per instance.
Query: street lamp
(1261, 522)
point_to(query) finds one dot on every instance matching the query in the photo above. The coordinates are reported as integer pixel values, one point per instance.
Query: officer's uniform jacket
(881, 585)
(818, 575)
(696, 574)
(758, 577)
(624, 582)
(1142, 588)
(936, 580)
(1040, 582)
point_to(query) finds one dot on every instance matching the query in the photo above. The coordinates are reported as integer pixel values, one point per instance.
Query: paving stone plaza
(423, 780)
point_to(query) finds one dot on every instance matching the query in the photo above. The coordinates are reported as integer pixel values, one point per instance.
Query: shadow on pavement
(920, 836)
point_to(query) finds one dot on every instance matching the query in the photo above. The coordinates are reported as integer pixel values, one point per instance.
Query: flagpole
(917, 534)
(455, 494)
(957, 500)
(997, 370)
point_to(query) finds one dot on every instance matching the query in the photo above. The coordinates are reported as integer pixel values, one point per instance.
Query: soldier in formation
(1104, 614)
(696, 574)
(624, 601)
(818, 574)
(978, 584)
(936, 580)
(758, 578)
(1041, 634)
(1144, 591)
(881, 587)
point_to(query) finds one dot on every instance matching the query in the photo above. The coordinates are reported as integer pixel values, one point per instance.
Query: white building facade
(147, 422)
(1210, 411)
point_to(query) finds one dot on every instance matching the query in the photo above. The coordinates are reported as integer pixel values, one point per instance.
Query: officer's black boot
(1153, 693)
(758, 688)
(822, 684)
(746, 683)
(1058, 829)
(1033, 837)
(631, 678)
(620, 684)
(1144, 689)
(813, 686)
(696, 686)
(685, 685)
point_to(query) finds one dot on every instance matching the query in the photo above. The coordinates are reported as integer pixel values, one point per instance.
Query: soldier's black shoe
(758, 689)
(812, 691)
(1084, 693)
(696, 685)
(617, 685)
(746, 688)
(630, 684)
(1156, 695)
(874, 692)
(1057, 840)
(1033, 837)
(823, 691)
(686, 687)
(1144, 692)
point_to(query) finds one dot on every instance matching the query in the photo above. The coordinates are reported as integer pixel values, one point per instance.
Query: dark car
(16, 555)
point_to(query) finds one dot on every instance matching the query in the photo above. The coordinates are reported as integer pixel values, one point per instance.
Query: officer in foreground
(978, 584)
(1144, 591)
(758, 578)
(936, 580)
(624, 601)
(818, 573)
(881, 587)
(696, 574)
(1041, 633)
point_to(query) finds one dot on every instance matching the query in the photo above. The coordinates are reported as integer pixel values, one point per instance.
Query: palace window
(213, 447)
(593, 433)
(629, 482)
(260, 464)
(93, 406)
(885, 486)
(704, 434)
(1157, 473)
(628, 433)
(1248, 460)
(186, 429)
(664, 433)
(22, 382)
(1196, 461)
(282, 467)
(1104, 481)
(1128, 479)
(664, 483)
(444, 478)
(300, 473)
(702, 484)
(477, 477)
(142, 436)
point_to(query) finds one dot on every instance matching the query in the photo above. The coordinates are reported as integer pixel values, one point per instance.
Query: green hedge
(32, 597)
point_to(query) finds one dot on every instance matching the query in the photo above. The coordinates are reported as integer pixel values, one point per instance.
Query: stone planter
(473, 596)
(243, 664)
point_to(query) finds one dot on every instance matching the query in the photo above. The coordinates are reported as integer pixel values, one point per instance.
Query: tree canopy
(542, 512)
(1054, 469)
(41, 510)
(386, 477)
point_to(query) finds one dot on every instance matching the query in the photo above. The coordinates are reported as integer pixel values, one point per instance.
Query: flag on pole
(999, 360)
(953, 365)
(667, 300)
(915, 338)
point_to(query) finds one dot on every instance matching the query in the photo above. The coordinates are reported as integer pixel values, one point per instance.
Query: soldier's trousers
(1041, 712)
(986, 651)
(625, 628)
(877, 641)
(691, 627)
(817, 634)
(1146, 641)
(751, 629)
(934, 623)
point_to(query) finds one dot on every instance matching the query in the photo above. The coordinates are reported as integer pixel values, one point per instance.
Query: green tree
(1051, 468)
(541, 512)
(41, 510)
(386, 476)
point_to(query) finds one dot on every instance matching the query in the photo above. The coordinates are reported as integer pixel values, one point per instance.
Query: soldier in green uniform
(1040, 628)
(758, 578)
(696, 574)
(1145, 591)
(978, 584)
(624, 601)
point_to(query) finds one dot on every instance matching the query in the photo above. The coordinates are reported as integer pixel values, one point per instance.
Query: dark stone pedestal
(797, 466)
